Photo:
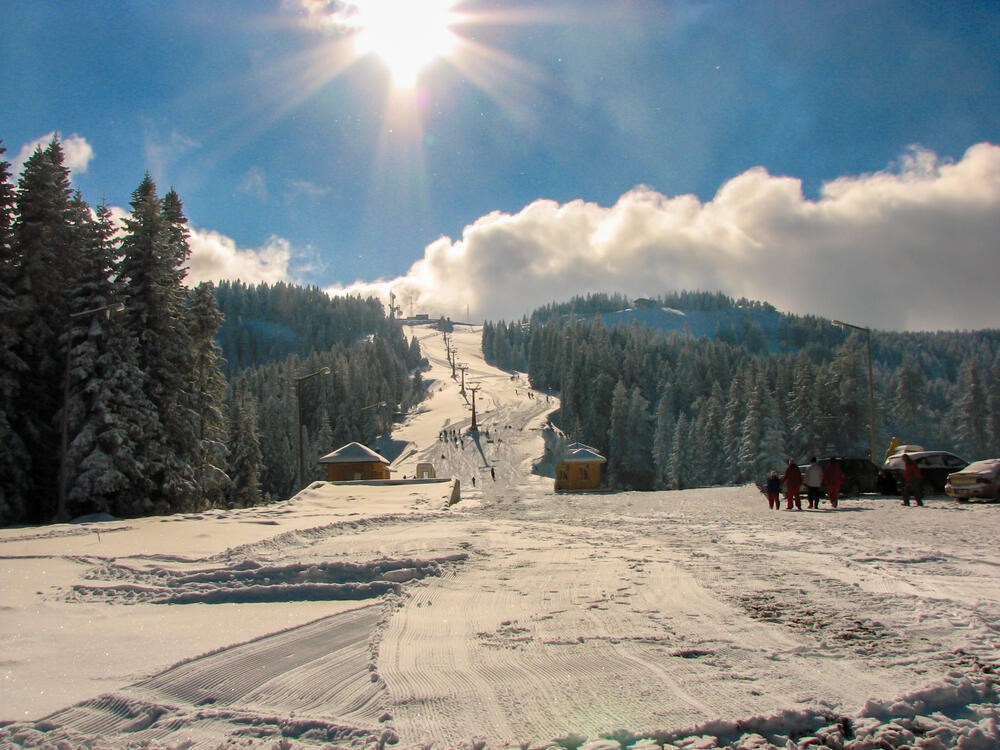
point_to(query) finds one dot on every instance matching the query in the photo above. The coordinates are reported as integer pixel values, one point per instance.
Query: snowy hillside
(367, 616)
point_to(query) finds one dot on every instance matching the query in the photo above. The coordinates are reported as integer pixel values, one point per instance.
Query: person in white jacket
(813, 481)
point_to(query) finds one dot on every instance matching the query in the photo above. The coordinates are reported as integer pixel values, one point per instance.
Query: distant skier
(792, 479)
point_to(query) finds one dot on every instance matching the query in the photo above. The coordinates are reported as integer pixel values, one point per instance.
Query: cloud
(77, 152)
(216, 257)
(254, 183)
(161, 151)
(304, 190)
(912, 247)
(340, 16)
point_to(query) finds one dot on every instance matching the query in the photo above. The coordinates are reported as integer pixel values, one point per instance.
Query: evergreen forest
(670, 410)
(125, 392)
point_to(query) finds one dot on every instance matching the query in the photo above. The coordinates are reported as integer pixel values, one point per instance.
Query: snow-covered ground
(355, 616)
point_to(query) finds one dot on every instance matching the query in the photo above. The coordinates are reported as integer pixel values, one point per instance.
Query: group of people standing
(813, 479)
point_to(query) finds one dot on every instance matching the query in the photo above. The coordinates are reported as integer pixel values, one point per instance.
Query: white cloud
(216, 257)
(916, 247)
(304, 190)
(77, 152)
(254, 183)
(161, 151)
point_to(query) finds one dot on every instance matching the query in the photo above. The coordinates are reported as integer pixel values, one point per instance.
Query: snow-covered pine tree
(993, 407)
(14, 460)
(43, 246)
(153, 300)
(208, 391)
(711, 444)
(970, 407)
(680, 455)
(803, 412)
(736, 408)
(843, 398)
(618, 438)
(245, 457)
(663, 437)
(638, 464)
(109, 413)
(908, 406)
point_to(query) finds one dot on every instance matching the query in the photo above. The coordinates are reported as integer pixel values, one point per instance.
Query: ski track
(631, 613)
(308, 671)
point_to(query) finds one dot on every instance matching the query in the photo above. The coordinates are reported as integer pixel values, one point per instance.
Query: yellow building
(579, 469)
(354, 462)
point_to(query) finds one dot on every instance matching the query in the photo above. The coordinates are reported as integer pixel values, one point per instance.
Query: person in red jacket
(792, 479)
(833, 478)
(913, 484)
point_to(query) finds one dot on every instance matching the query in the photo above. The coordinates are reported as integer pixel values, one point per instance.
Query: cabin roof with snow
(582, 456)
(353, 453)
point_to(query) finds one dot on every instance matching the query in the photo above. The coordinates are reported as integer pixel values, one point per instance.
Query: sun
(406, 34)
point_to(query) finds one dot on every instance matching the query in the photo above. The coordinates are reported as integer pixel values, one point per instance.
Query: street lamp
(107, 309)
(298, 401)
(871, 383)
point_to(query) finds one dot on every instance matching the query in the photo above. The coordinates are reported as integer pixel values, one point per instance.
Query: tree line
(672, 411)
(114, 395)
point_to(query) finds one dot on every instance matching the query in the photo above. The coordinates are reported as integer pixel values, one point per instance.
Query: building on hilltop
(354, 462)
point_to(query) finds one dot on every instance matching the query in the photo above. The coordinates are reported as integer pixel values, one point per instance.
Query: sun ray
(406, 35)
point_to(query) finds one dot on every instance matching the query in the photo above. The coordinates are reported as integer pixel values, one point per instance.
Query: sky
(481, 159)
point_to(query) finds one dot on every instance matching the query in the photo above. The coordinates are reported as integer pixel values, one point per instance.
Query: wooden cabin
(354, 462)
(579, 469)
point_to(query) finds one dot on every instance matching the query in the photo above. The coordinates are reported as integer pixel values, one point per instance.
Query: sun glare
(407, 35)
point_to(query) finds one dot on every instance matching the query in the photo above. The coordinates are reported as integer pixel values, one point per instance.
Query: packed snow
(378, 615)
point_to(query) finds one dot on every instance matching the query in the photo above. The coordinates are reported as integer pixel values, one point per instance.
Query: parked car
(979, 479)
(935, 466)
(860, 475)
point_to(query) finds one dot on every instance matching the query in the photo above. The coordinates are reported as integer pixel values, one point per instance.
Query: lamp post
(298, 402)
(64, 447)
(871, 383)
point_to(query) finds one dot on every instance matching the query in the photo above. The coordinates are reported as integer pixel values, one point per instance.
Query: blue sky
(294, 153)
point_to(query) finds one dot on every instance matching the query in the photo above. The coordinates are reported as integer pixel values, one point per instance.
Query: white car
(980, 479)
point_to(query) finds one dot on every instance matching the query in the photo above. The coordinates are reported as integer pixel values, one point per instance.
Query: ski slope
(356, 616)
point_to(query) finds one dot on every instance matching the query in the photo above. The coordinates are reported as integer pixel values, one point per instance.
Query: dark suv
(935, 466)
(860, 475)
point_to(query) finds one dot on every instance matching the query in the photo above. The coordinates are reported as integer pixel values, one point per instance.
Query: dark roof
(353, 453)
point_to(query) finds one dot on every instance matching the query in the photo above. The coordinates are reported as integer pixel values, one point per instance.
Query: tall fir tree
(907, 407)
(993, 408)
(154, 308)
(619, 438)
(970, 408)
(663, 437)
(45, 271)
(803, 412)
(245, 456)
(108, 413)
(14, 459)
(208, 391)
